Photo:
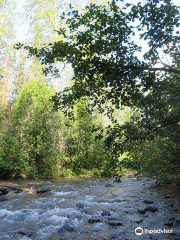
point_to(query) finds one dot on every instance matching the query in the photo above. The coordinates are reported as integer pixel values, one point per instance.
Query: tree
(31, 145)
(83, 149)
(111, 69)
(7, 33)
(99, 44)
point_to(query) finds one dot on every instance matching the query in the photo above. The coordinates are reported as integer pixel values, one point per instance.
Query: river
(90, 209)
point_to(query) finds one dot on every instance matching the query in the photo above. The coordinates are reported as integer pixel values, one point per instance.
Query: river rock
(105, 213)
(114, 223)
(67, 228)
(109, 185)
(169, 224)
(149, 208)
(4, 190)
(137, 221)
(3, 199)
(42, 190)
(167, 196)
(80, 206)
(0, 193)
(148, 201)
(142, 210)
(14, 189)
(152, 209)
(25, 232)
(94, 220)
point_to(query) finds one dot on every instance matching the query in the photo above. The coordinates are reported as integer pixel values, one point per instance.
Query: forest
(91, 89)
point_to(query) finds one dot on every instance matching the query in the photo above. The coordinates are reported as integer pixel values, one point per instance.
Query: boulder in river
(142, 210)
(25, 232)
(114, 223)
(148, 201)
(109, 185)
(169, 223)
(94, 220)
(4, 190)
(167, 196)
(149, 208)
(42, 190)
(105, 213)
(80, 206)
(14, 189)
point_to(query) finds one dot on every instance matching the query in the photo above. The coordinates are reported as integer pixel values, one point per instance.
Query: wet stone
(137, 220)
(149, 208)
(80, 206)
(169, 224)
(152, 209)
(4, 190)
(0, 193)
(105, 213)
(25, 232)
(148, 201)
(94, 220)
(109, 185)
(167, 196)
(142, 210)
(15, 189)
(114, 223)
(42, 190)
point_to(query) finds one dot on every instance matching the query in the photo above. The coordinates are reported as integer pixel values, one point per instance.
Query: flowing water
(87, 209)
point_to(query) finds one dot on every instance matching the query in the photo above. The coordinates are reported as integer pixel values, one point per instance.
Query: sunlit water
(72, 202)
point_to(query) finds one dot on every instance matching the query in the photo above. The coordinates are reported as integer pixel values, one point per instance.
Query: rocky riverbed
(88, 209)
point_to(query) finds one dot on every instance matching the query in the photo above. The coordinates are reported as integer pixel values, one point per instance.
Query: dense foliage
(35, 141)
(111, 68)
(39, 141)
(118, 59)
